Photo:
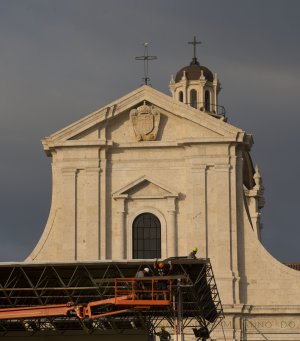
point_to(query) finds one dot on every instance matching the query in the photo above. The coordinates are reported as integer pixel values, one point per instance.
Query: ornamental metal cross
(195, 42)
(146, 58)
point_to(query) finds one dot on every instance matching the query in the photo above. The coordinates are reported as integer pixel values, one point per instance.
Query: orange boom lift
(130, 294)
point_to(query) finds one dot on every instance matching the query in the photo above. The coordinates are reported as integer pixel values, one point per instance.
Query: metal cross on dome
(146, 58)
(195, 43)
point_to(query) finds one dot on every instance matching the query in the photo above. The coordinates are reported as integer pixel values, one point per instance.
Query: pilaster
(103, 207)
(119, 237)
(199, 214)
(224, 262)
(69, 228)
(93, 230)
(234, 176)
(172, 231)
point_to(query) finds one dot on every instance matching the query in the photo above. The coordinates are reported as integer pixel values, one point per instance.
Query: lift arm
(40, 311)
(67, 309)
(130, 293)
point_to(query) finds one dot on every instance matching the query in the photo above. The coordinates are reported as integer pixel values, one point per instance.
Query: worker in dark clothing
(162, 269)
(192, 255)
(163, 334)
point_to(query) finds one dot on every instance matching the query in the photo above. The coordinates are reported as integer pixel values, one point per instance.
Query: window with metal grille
(193, 98)
(180, 96)
(146, 236)
(207, 100)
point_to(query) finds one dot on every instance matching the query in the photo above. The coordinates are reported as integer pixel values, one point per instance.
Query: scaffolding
(103, 297)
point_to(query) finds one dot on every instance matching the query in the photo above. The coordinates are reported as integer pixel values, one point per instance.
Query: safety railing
(214, 109)
(152, 291)
(135, 294)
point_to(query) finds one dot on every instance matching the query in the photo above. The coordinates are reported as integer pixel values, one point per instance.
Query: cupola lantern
(196, 86)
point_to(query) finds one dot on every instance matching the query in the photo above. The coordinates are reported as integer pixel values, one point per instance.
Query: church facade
(152, 176)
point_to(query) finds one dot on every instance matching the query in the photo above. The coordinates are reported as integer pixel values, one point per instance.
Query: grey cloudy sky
(62, 59)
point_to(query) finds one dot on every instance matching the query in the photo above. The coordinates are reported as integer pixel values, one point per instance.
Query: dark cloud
(63, 59)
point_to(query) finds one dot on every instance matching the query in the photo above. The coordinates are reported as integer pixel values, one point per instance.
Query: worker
(163, 334)
(162, 269)
(192, 255)
(143, 273)
(140, 285)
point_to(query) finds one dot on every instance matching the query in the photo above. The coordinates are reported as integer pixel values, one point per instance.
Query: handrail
(144, 290)
(215, 109)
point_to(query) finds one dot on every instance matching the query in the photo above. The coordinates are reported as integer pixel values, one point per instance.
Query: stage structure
(107, 292)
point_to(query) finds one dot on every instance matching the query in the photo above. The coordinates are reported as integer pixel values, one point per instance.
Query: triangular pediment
(197, 125)
(144, 187)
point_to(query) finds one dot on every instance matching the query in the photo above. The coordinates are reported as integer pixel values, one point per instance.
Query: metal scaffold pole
(179, 335)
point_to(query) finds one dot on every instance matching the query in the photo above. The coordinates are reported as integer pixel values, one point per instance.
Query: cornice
(153, 96)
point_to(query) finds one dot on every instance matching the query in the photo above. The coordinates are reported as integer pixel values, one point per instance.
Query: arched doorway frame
(163, 226)
(129, 205)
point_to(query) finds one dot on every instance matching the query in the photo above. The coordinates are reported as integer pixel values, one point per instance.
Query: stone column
(202, 92)
(69, 211)
(215, 86)
(171, 228)
(185, 92)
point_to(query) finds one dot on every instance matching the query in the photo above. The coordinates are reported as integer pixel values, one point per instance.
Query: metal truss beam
(31, 284)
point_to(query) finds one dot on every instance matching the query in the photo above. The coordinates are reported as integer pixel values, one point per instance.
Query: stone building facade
(173, 165)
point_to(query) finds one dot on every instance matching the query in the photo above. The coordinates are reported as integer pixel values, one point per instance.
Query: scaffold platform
(191, 296)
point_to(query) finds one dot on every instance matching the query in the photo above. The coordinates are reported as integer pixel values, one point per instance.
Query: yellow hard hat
(195, 249)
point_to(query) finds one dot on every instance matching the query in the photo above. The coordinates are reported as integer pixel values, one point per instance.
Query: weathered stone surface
(190, 176)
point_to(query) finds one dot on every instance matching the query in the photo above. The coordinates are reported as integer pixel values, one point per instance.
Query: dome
(193, 72)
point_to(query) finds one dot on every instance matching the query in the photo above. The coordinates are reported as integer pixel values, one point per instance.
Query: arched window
(193, 98)
(146, 236)
(180, 96)
(207, 100)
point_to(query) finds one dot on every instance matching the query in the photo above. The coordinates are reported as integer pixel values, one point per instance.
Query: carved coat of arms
(145, 121)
